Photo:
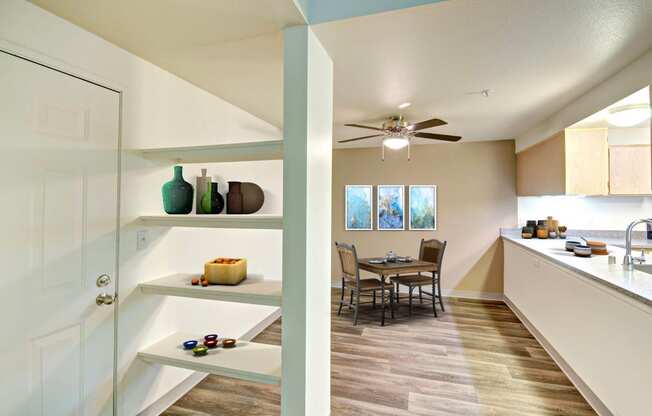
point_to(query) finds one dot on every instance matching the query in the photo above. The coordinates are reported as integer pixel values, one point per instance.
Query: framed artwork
(423, 207)
(358, 207)
(390, 208)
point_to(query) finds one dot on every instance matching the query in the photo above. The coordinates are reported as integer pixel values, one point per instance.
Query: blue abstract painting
(390, 207)
(358, 207)
(423, 207)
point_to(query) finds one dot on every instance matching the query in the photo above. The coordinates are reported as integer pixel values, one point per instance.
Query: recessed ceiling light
(404, 105)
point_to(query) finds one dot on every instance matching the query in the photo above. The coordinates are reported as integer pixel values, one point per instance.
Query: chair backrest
(433, 251)
(348, 261)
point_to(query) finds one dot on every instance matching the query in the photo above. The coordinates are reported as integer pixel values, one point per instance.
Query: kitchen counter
(635, 284)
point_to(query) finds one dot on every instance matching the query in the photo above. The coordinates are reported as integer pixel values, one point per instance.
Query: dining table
(394, 268)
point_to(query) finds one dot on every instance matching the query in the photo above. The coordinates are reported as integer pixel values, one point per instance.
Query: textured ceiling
(535, 56)
(233, 49)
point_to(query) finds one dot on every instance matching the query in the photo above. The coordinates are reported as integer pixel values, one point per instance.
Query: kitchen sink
(645, 268)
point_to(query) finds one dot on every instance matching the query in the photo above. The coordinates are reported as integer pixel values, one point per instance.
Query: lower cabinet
(604, 336)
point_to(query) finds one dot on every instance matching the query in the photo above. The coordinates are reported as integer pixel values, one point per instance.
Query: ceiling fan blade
(359, 138)
(426, 124)
(444, 137)
(364, 127)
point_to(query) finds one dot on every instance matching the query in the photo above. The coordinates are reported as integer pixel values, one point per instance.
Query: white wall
(628, 80)
(159, 110)
(627, 136)
(586, 213)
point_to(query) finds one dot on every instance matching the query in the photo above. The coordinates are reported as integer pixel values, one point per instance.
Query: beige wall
(476, 196)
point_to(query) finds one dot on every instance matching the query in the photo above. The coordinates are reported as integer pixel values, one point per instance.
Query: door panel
(58, 216)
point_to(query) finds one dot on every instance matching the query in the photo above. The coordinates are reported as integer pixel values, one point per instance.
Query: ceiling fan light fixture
(396, 142)
(628, 115)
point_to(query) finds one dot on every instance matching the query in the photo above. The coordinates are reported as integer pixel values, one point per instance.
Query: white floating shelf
(232, 152)
(253, 290)
(247, 361)
(256, 221)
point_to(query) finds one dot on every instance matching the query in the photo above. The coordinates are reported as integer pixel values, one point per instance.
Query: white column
(307, 132)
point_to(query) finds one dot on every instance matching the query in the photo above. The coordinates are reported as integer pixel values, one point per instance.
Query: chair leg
(355, 308)
(411, 288)
(373, 305)
(391, 301)
(434, 299)
(350, 298)
(398, 297)
(441, 300)
(382, 316)
(339, 310)
(420, 295)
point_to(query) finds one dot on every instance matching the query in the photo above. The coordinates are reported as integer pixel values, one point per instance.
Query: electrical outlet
(142, 239)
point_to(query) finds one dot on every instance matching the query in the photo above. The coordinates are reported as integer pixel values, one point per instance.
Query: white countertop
(635, 284)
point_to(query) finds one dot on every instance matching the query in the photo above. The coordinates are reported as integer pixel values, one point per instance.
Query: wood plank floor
(475, 359)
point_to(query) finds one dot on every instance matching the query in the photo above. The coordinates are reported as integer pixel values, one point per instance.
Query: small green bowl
(200, 350)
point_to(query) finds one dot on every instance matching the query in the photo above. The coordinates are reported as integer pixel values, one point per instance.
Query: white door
(58, 212)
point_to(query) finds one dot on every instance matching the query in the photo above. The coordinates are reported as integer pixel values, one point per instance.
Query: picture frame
(390, 208)
(358, 207)
(422, 207)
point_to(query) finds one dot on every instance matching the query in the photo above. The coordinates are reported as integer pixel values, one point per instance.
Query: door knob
(104, 299)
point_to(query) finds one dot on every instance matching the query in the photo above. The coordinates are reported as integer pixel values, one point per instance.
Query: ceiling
(599, 119)
(535, 56)
(232, 49)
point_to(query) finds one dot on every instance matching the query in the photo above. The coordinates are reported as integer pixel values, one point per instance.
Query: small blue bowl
(210, 337)
(188, 345)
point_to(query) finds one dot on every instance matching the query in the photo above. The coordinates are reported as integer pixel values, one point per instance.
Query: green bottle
(212, 202)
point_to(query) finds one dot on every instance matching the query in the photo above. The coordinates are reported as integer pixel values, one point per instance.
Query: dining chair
(432, 251)
(359, 287)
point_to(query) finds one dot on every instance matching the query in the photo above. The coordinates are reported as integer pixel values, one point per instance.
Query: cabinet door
(629, 170)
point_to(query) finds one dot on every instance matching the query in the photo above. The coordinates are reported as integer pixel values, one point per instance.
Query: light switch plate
(142, 239)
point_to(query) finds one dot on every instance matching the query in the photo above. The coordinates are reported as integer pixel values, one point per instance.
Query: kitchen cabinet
(629, 169)
(600, 337)
(572, 162)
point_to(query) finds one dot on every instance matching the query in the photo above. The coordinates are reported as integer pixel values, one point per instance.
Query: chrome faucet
(629, 260)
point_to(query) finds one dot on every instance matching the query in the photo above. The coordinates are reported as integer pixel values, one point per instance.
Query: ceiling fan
(398, 133)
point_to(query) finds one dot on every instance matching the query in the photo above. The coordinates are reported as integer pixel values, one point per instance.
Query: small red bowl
(210, 337)
(210, 343)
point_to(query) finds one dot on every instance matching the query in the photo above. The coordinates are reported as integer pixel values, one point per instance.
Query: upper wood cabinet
(572, 162)
(629, 169)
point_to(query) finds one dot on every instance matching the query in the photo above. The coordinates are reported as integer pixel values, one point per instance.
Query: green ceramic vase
(212, 202)
(177, 194)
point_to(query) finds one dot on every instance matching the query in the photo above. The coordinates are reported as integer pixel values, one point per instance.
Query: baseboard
(449, 293)
(171, 397)
(471, 294)
(579, 384)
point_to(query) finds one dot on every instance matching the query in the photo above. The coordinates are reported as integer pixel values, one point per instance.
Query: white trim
(434, 207)
(402, 188)
(58, 65)
(172, 396)
(593, 400)
(472, 294)
(346, 207)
